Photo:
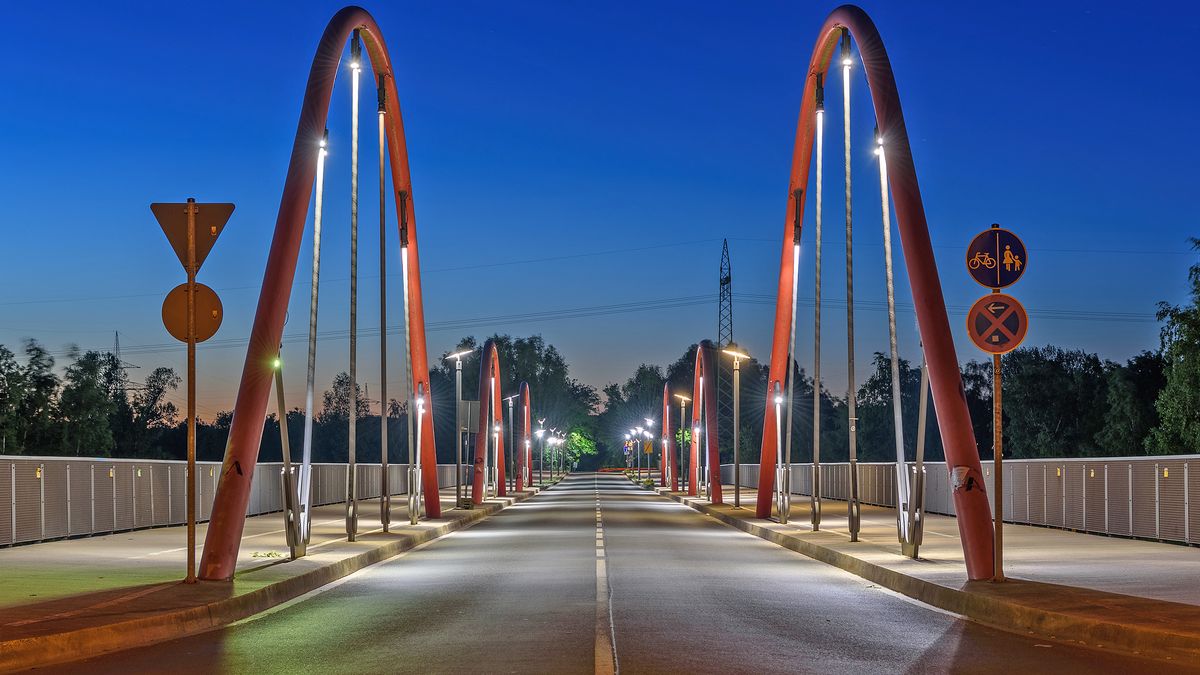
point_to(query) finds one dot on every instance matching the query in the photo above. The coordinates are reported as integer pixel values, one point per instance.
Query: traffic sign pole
(191, 391)
(178, 222)
(998, 459)
(997, 324)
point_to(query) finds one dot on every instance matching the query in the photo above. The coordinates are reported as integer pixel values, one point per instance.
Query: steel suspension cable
(815, 491)
(851, 394)
(786, 454)
(351, 470)
(385, 492)
(897, 412)
(412, 396)
(306, 453)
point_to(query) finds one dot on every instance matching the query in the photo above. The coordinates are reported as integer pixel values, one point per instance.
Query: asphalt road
(596, 575)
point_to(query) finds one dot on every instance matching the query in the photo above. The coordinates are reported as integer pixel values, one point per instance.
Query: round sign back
(208, 312)
(996, 258)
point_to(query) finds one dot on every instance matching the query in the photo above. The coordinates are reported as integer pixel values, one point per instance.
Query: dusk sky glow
(573, 162)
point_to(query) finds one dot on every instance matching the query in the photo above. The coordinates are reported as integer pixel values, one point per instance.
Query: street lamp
(683, 401)
(542, 449)
(737, 448)
(649, 425)
(637, 450)
(510, 467)
(458, 428)
(701, 467)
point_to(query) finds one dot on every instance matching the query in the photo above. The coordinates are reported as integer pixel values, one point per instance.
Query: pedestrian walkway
(1097, 590)
(65, 599)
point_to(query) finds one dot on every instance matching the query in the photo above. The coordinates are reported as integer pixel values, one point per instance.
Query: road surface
(597, 575)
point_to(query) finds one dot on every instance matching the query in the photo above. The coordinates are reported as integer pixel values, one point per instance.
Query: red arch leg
(233, 490)
(489, 397)
(954, 422)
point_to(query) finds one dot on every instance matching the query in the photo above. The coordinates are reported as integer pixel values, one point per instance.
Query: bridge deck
(1148, 569)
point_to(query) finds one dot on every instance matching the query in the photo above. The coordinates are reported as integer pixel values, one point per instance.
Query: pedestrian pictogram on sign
(996, 258)
(997, 323)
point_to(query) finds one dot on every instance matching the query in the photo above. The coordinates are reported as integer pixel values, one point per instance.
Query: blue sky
(612, 146)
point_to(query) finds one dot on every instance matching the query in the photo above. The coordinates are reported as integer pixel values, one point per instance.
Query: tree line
(1057, 403)
(92, 409)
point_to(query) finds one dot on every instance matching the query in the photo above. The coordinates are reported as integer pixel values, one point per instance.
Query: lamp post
(458, 429)
(683, 401)
(542, 449)
(509, 466)
(737, 448)
(636, 432)
(649, 426)
(782, 498)
(701, 466)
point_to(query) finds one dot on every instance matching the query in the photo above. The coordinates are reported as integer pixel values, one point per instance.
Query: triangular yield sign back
(210, 221)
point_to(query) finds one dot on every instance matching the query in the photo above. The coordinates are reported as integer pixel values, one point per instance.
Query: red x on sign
(997, 323)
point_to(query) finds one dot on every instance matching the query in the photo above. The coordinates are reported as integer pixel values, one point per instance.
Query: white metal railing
(1146, 497)
(54, 497)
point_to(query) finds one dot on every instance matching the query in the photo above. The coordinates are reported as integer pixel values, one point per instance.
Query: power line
(638, 306)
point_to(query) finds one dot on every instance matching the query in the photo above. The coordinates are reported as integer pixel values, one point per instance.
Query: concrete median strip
(1081, 616)
(219, 604)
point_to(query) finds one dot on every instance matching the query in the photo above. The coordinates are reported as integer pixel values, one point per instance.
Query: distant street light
(737, 449)
(542, 449)
(684, 475)
(458, 428)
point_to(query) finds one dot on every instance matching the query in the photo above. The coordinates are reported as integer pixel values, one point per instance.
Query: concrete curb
(55, 648)
(981, 602)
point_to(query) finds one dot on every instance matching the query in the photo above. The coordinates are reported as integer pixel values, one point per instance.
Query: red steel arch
(489, 397)
(668, 447)
(962, 456)
(706, 369)
(233, 490)
(526, 447)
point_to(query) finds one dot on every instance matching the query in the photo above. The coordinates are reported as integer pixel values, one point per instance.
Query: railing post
(1156, 511)
(1187, 535)
(1129, 471)
(93, 481)
(41, 475)
(1106, 499)
(1085, 491)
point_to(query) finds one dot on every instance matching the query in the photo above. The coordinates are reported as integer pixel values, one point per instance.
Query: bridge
(512, 558)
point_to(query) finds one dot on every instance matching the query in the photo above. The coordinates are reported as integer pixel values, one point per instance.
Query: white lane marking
(249, 536)
(606, 636)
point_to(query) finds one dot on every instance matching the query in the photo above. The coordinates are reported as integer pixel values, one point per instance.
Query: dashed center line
(605, 647)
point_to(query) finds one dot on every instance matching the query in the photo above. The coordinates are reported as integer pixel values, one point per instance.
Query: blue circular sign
(996, 258)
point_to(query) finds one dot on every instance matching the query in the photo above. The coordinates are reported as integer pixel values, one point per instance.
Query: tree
(1178, 404)
(1051, 400)
(31, 396)
(11, 392)
(85, 407)
(152, 416)
(1131, 413)
(877, 426)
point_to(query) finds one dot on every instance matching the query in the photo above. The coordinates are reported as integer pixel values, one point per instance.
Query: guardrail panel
(29, 502)
(6, 502)
(1171, 496)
